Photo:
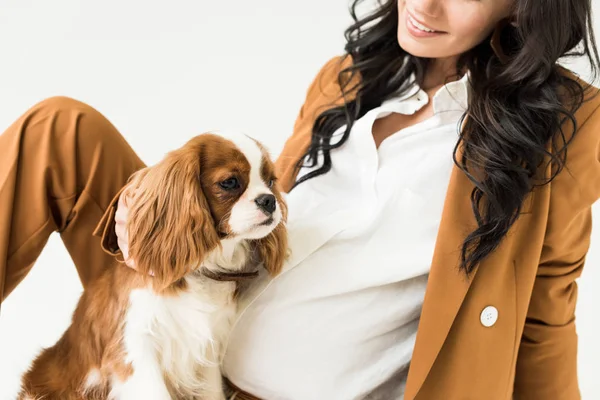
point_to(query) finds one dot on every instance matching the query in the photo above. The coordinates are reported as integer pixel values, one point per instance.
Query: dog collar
(223, 276)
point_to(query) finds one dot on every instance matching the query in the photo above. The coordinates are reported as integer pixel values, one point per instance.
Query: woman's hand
(121, 228)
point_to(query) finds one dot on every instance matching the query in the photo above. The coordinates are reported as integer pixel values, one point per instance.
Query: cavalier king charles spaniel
(198, 220)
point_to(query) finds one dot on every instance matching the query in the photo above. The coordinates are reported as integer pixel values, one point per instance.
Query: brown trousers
(61, 164)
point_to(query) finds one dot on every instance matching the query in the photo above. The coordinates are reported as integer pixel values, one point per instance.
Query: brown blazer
(531, 351)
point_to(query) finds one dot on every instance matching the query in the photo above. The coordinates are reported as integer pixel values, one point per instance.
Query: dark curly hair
(518, 106)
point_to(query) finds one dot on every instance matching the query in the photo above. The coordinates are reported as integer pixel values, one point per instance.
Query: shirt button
(489, 316)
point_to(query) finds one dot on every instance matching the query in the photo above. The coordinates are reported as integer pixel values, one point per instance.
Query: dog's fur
(158, 332)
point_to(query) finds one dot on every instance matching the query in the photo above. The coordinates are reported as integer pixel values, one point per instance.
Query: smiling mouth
(420, 26)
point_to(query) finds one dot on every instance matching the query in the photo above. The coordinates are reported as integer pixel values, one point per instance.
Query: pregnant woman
(440, 179)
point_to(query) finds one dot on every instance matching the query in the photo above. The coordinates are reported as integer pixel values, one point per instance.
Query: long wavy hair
(520, 100)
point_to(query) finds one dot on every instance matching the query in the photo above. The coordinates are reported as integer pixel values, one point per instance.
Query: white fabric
(340, 322)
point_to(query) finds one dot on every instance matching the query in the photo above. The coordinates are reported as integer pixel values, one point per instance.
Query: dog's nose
(266, 202)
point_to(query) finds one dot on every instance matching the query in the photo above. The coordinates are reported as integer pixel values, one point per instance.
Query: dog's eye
(230, 184)
(271, 183)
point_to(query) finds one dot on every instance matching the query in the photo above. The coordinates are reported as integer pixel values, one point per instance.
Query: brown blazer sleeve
(323, 92)
(547, 359)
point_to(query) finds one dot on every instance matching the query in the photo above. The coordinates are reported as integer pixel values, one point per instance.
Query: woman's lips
(418, 29)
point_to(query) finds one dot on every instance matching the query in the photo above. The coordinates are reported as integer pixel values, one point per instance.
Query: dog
(197, 220)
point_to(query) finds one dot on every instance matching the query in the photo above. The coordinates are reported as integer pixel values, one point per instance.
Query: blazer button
(489, 316)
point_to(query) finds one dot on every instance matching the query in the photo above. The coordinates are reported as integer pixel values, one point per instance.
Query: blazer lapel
(447, 286)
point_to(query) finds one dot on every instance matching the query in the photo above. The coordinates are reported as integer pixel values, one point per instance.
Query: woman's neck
(441, 71)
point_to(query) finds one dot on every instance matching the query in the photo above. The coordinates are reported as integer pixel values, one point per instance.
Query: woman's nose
(427, 8)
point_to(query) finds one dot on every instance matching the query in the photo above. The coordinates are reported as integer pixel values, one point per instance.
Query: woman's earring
(496, 41)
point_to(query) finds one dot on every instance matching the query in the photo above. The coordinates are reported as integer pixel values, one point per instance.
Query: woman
(429, 187)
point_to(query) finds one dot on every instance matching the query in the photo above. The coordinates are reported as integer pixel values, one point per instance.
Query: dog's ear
(273, 248)
(170, 226)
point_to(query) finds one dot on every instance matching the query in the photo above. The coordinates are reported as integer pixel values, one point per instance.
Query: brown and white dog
(197, 219)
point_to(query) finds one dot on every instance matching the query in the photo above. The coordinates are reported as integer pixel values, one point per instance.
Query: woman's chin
(416, 48)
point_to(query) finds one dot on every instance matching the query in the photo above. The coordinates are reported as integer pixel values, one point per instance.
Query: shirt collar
(453, 96)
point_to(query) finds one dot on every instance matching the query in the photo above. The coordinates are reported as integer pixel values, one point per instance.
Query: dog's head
(214, 187)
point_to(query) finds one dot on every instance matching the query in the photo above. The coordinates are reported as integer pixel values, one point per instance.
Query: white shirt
(340, 321)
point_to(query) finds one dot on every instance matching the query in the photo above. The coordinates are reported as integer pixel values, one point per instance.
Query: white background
(163, 71)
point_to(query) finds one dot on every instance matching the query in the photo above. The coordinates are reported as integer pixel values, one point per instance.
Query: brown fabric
(232, 392)
(62, 163)
(322, 94)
